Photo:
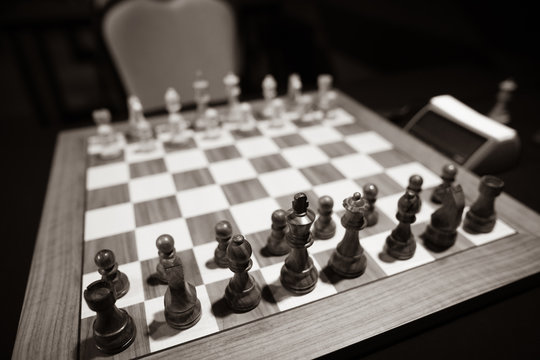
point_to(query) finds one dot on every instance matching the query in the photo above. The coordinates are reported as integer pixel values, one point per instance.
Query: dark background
(392, 56)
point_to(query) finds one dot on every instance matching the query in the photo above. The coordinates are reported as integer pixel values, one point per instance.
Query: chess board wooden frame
(50, 318)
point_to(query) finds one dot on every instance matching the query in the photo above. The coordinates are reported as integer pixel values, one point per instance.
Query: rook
(481, 217)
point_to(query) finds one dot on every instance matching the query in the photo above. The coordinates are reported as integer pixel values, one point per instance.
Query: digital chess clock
(464, 135)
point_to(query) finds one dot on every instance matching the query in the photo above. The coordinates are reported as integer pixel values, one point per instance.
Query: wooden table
(49, 324)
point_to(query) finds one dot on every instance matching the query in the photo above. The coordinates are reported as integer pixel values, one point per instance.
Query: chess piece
(324, 84)
(304, 112)
(481, 217)
(499, 112)
(448, 176)
(276, 244)
(142, 129)
(298, 273)
(400, 244)
(223, 236)
(247, 121)
(166, 250)
(232, 89)
(278, 111)
(294, 90)
(177, 123)
(370, 194)
(348, 259)
(269, 89)
(201, 97)
(134, 107)
(242, 293)
(182, 307)
(107, 138)
(113, 328)
(415, 184)
(211, 121)
(108, 268)
(441, 233)
(324, 227)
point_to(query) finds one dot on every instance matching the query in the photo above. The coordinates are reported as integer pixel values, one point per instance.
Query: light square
(151, 187)
(254, 216)
(356, 166)
(162, 336)
(135, 154)
(389, 205)
(320, 134)
(201, 200)
(402, 173)
(256, 146)
(233, 170)
(328, 244)
(145, 237)
(338, 191)
(304, 156)
(338, 117)
(374, 246)
(180, 161)
(108, 221)
(204, 142)
(106, 175)
(283, 182)
(369, 142)
(267, 129)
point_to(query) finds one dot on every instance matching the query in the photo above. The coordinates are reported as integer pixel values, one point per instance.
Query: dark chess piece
(182, 307)
(349, 260)
(108, 268)
(400, 244)
(113, 328)
(324, 227)
(481, 217)
(298, 273)
(448, 176)
(370, 195)
(415, 184)
(166, 250)
(243, 293)
(441, 233)
(276, 244)
(223, 236)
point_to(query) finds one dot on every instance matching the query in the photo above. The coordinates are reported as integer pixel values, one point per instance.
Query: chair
(158, 44)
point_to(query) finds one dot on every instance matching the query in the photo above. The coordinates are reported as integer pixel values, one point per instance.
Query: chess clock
(467, 137)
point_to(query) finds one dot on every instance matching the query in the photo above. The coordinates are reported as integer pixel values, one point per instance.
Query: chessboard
(126, 203)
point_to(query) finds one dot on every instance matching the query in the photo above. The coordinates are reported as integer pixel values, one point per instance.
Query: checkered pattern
(243, 178)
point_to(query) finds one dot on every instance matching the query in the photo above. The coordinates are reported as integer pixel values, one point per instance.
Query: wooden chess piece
(400, 244)
(223, 236)
(499, 112)
(166, 250)
(243, 293)
(182, 307)
(370, 194)
(448, 176)
(298, 273)
(481, 217)
(324, 227)
(415, 184)
(113, 328)
(441, 233)
(276, 244)
(349, 260)
(108, 268)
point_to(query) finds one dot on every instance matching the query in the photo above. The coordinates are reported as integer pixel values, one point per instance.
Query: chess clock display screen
(447, 137)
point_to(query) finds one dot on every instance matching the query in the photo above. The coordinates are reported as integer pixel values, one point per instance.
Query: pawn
(113, 328)
(415, 184)
(182, 307)
(223, 236)
(243, 293)
(370, 194)
(324, 227)
(166, 250)
(481, 217)
(448, 176)
(400, 244)
(108, 268)
(276, 244)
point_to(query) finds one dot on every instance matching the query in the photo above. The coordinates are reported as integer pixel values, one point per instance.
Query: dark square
(462, 243)
(286, 141)
(122, 245)
(222, 153)
(146, 168)
(372, 273)
(336, 149)
(258, 244)
(269, 163)
(112, 195)
(225, 317)
(391, 158)
(201, 228)
(243, 191)
(304, 124)
(285, 202)
(350, 129)
(192, 179)
(238, 134)
(170, 147)
(153, 211)
(96, 160)
(385, 184)
(322, 174)
(383, 224)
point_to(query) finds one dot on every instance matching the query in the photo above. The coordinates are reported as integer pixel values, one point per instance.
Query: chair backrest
(158, 44)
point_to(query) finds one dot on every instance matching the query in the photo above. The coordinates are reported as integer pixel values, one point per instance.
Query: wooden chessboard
(126, 203)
